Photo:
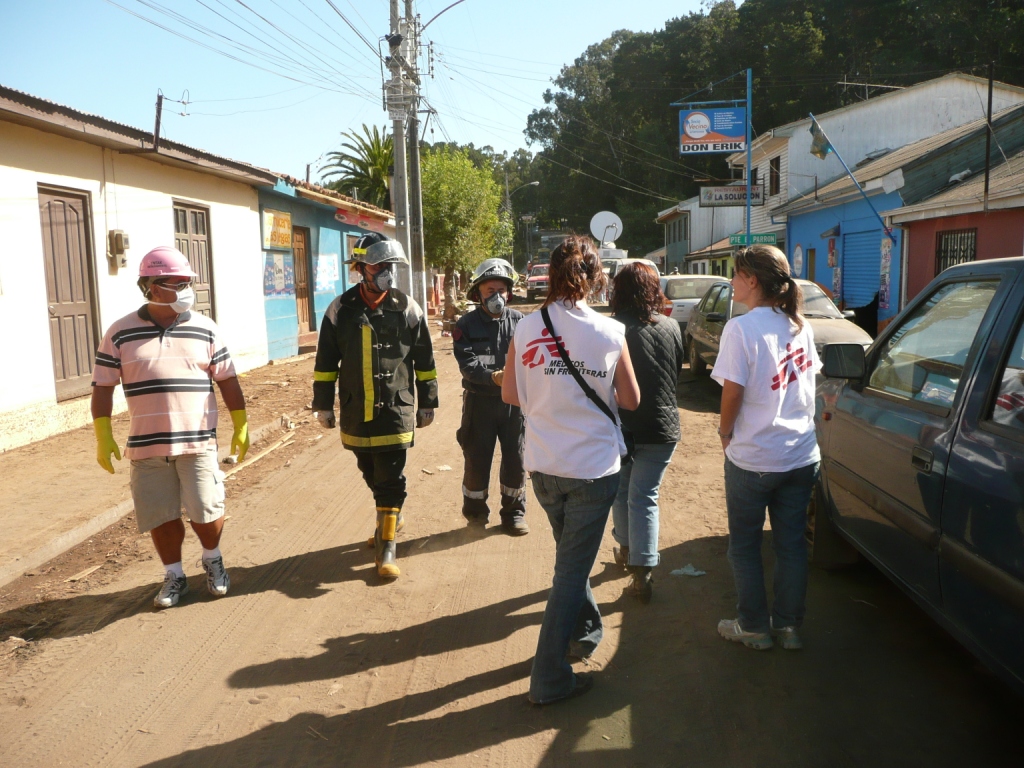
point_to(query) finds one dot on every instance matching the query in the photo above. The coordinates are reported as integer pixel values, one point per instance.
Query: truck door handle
(921, 459)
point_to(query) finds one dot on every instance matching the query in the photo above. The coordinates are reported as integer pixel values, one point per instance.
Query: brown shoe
(515, 527)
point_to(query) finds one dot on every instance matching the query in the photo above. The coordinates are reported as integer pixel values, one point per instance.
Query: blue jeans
(786, 496)
(635, 511)
(578, 511)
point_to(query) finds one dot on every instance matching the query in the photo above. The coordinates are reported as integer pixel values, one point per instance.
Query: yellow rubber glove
(240, 439)
(105, 443)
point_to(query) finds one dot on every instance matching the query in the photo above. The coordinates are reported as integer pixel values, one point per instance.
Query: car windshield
(817, 303)
(542, 270)
(687, 287)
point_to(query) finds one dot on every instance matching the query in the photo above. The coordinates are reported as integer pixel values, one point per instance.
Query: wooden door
(192, 237)
(303, 300)
(70, 295)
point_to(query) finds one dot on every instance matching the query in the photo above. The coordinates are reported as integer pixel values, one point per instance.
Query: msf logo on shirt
(794, 363)
(540, 350)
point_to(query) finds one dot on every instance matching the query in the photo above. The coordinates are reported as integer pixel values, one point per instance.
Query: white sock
(175, 568)
(211, 554)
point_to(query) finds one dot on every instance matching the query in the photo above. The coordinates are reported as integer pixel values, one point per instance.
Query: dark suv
(922, 442)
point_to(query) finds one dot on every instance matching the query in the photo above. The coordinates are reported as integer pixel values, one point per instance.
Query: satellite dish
(605, 227)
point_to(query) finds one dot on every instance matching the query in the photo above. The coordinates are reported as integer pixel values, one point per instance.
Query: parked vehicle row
(703, 332)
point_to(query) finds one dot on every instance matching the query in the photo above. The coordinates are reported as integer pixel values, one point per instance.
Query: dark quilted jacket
(656, 350)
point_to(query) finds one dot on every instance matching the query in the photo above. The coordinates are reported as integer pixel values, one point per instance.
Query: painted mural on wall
(326, 271)
(278, 274)
(883, 287)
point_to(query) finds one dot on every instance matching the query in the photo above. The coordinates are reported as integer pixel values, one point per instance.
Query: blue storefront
(308, 234)
(843, 248)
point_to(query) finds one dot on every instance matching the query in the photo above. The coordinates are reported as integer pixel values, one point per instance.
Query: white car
(683, 292)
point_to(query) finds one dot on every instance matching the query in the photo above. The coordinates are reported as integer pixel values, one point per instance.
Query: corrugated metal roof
(900, 158)
(721, 245)
(1006, 180)
(25, 109)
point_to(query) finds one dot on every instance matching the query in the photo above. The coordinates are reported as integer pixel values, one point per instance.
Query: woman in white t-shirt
(766, 365)
(573, 445)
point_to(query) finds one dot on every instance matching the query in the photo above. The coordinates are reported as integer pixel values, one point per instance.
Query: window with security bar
(955, 246)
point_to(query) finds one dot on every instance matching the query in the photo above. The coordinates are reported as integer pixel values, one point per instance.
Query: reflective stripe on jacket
(377, 357)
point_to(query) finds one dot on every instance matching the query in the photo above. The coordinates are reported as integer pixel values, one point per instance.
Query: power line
(352, 26)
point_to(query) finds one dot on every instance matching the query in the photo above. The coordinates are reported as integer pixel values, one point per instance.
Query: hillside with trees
(608, 139)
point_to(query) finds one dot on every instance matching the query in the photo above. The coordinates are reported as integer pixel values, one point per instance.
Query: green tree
(461, 226)
(362, 164)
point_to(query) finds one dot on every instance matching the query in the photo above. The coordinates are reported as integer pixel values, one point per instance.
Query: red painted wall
(1000, 234)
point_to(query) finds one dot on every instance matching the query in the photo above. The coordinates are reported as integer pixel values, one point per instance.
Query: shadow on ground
(878, 684)
(300, 577)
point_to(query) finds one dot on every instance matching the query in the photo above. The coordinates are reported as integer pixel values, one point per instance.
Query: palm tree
(362, 163)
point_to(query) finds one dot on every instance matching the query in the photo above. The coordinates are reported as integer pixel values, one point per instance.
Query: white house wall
(892, 121)
(126, 192)
(709, 225)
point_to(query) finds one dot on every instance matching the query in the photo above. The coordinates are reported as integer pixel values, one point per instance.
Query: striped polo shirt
(167, 375)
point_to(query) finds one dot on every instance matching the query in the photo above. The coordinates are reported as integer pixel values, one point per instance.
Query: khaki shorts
(161, 485)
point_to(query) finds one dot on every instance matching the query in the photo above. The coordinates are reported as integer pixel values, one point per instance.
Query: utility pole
(397, 103)
(417, 252)
(988, 135)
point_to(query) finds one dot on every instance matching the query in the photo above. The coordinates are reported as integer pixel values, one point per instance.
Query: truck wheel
(826, 547)
(697, 365)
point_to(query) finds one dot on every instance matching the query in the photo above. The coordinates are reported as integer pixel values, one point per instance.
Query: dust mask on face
(494, 304)
(385, 279)
(186, 298)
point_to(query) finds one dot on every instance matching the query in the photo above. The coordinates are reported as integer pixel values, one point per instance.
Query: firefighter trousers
(384, 474)
(486, 419)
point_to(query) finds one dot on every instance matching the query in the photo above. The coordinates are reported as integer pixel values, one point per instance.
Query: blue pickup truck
(922, 441)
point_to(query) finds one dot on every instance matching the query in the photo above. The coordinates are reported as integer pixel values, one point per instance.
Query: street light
(527, 184)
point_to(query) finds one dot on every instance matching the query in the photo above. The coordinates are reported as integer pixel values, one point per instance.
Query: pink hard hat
(165, 261)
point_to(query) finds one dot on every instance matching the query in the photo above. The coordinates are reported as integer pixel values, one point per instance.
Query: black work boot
(386, 555)
(641, 585)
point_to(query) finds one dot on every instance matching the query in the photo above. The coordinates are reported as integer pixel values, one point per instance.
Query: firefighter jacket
(375, 357)
(480, 344)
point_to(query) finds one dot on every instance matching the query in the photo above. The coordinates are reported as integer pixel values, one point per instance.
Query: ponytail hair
(575, 271)
(771, 268)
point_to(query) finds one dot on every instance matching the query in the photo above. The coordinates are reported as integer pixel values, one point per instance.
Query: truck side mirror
(844, 361)
(850, 315)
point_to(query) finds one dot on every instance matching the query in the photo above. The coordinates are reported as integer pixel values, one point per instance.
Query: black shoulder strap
(587, 389)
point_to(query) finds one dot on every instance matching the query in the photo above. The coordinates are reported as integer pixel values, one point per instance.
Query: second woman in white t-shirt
(766, 365)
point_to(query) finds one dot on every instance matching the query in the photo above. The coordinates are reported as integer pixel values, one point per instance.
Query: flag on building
(820, 145)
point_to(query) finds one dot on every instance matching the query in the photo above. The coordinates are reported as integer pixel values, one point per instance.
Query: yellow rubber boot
(371, 542)
(384, 539)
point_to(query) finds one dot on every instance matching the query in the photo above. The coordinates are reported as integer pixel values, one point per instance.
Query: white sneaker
(217, 580)
(788, 636)
(174, 587)
(730, 629)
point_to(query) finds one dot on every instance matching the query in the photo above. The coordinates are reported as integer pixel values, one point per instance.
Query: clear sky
(493, 61)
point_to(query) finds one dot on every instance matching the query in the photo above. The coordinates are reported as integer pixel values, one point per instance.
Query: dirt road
(311, 661)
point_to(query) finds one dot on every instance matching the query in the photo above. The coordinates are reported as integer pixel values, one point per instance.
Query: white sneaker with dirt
(788, 637)
(730, 629)
(174, 587)
(217, 580)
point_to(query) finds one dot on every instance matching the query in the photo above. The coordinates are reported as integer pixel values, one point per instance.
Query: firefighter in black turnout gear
(375, 348)
(481, 340)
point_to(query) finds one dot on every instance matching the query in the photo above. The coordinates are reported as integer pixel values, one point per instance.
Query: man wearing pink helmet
(166, 359)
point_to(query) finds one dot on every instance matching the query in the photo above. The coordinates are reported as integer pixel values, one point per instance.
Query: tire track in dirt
(188, 660)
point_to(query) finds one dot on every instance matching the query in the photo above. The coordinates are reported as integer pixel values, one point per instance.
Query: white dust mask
(186, 298)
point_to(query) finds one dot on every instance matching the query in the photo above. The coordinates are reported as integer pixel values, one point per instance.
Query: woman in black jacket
(656, 348)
